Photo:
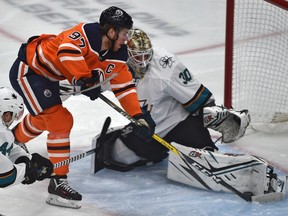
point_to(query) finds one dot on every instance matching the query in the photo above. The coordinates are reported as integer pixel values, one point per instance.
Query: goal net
(256, 61)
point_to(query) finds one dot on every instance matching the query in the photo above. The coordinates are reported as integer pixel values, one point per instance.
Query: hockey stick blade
(184, 157)
(87, 153)
(104, 130)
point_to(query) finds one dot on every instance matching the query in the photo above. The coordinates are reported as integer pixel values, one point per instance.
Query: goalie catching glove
(38, 168)
(230, 123)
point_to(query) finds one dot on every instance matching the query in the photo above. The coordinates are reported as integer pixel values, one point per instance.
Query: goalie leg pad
(206, 169)
(121, 153)
(230, 123)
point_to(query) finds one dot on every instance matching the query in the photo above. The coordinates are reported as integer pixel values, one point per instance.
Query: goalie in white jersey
(182, 108)
(16, 165)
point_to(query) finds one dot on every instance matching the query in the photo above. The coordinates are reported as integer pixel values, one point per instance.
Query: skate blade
(59, 201)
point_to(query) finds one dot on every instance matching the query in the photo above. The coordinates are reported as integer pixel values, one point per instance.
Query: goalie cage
(256, 61)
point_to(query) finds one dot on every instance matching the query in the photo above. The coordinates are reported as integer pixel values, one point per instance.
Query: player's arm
(10, 174)
(72, 47)
(124, 89)
(17, 166)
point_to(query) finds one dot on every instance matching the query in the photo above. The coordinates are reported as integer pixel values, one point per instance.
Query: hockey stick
(186, 158)
(87, 153)
(134, 121)
(69, 91)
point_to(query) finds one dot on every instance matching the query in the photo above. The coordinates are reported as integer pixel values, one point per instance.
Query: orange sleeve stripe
(124, 94)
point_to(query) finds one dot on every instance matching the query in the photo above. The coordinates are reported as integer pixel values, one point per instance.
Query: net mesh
(260, 58)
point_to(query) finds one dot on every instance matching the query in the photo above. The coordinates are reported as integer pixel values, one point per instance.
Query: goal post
(256, 61)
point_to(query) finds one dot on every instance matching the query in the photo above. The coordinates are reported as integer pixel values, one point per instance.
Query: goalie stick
(68, 91)
(87, 153)
(186, 158)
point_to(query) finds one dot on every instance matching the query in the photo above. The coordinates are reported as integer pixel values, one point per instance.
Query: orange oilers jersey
(74, 53)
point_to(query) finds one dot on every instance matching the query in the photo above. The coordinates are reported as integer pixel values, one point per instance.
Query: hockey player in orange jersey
(83, 55)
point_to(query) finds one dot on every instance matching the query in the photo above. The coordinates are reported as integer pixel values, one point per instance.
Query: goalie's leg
(244, 173)
(121, 150)
(192, 133)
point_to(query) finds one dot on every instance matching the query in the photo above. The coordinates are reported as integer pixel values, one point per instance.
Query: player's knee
(59, 120)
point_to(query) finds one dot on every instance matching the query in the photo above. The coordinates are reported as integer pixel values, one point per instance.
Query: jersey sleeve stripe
(119, 97)
(199, 99)
(70, 45)
(40, 56)
(117, 86)
(68, 51)
(70, 58)
(124, 89)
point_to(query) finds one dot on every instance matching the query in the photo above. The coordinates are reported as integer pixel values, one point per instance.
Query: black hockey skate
(61, 194)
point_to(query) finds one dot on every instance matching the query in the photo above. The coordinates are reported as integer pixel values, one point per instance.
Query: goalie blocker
(244, 174)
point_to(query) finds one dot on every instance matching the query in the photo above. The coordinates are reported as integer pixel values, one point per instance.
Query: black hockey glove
(147, 130)
(43, 166)
(93, 94)
(89, 82)
(30, 173)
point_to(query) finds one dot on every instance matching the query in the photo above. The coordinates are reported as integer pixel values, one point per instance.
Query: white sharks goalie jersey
(172, 89)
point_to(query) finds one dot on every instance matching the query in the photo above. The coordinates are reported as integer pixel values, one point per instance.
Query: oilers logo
(47, 93)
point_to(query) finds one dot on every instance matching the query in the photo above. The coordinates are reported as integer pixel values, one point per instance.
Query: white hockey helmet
(10, 101)
(140, 52)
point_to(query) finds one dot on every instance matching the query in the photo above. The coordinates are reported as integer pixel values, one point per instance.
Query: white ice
(193, 29)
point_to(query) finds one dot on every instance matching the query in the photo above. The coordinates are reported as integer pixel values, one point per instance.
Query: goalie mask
(140, 52)
(10, 101)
